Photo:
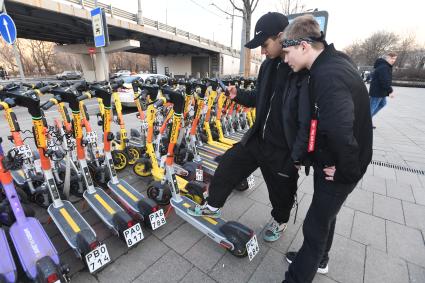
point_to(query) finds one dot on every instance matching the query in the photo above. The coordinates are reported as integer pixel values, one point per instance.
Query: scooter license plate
(157, 219)
(25, 151)
(97, 258)
(199, 175)
(133, 235)
(251, 181)
(252, 247)
(91, 137)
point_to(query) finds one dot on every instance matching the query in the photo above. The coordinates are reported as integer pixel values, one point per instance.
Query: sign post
(8, 32)
(100, 34)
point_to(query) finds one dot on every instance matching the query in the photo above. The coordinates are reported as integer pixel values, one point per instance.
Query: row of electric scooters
(70, 163)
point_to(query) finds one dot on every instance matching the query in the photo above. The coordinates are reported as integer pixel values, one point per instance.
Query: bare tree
(378, 44)
(7, 58)
(129, 61)
(43, 55)
(416, 58)
(406, 46)
(248, 7)
(288, 7)
(355, 51)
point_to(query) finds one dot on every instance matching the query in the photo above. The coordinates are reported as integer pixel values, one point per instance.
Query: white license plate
(251, 181)
(133, 235)
(252, 247)
(199, 175)
(97, 258)
(157, 219)
(91, 137)
(25, 151)
(51, 144)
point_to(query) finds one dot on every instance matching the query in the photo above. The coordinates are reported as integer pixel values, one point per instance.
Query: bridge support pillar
(93, 67)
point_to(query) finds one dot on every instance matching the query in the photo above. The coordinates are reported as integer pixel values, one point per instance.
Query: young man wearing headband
(342, 145)
(277, 141)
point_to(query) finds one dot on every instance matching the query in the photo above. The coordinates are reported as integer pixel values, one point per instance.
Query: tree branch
(234, 6)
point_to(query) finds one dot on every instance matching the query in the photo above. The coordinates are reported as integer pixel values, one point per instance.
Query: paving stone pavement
(379, 235)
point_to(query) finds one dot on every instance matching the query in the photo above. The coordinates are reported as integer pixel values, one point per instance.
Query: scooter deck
(211, 149)
(236, 136)
(127, 193)
(209, 165)
(228, 141)
(69, 221)
(31, 244)
(210, 226)
(220, 145)
(103, 205)
(18, 176)
(7, 264)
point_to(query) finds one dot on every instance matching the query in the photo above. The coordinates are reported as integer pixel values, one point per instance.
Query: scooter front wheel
(141, 168)
(133, 154)
(120, 159)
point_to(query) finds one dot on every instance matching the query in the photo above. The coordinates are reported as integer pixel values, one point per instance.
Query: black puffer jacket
(344, 133)
(382, 77)
(295, 107)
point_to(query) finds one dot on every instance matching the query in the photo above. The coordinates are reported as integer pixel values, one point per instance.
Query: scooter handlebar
(47, 105)
(158, 103)
(82, 97)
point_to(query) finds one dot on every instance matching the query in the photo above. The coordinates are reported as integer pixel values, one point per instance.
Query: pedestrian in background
(380, 86)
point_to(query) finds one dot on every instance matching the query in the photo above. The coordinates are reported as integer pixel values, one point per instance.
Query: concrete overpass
(68, 23)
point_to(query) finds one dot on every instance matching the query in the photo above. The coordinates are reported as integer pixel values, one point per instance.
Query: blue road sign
(7, 28)
(99, 27)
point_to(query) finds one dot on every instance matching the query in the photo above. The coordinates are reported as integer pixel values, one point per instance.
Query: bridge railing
(115, 12)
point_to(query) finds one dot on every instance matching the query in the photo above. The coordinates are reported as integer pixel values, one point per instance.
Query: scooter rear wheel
(133, 154)
(154, 192)
(243, 186)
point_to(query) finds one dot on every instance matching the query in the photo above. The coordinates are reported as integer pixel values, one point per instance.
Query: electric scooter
(111, 214)
(73, 227)
(8, 272)
(143, 208)
(233, 236)
(39, 258)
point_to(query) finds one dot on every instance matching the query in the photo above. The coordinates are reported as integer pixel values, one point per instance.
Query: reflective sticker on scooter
(252, 247)
(53, 189)
(97, 258)
(199, 175)
(88, 176)
(157, 219)
(251, 181)
(133, 235)
(111, 165)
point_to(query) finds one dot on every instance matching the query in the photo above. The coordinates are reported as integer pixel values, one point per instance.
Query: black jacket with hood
(382, 77)
(344, 133)
(295, 107)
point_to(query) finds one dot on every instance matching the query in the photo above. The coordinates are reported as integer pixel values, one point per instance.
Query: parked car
(126, 93)
(121, 73)
(149, 76)
(69, 75)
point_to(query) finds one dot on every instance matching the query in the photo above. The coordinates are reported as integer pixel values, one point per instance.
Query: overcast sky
(348, 20)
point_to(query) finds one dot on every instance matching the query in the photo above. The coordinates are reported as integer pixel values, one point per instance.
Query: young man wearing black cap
(341, 144)
(278, 139)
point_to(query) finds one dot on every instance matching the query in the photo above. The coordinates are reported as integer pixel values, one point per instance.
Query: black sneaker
(323, 266)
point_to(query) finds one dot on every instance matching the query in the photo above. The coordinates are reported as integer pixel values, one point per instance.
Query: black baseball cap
(270, 24)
